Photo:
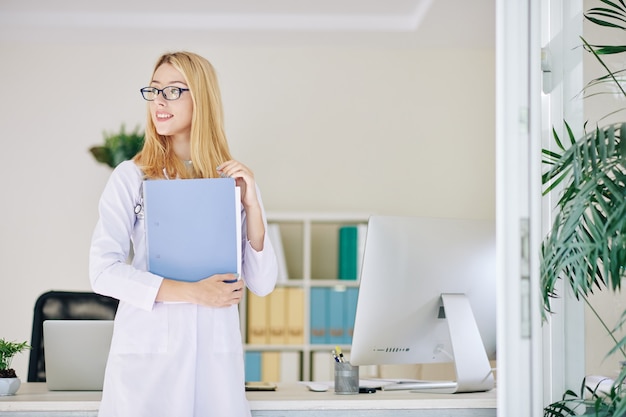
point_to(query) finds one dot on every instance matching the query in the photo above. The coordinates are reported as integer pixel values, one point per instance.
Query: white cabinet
(311, 248)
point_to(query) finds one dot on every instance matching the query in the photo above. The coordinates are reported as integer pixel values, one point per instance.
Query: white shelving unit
(302, 247)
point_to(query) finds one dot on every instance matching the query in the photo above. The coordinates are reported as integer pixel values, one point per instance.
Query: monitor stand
(471, 364)
(473, 370)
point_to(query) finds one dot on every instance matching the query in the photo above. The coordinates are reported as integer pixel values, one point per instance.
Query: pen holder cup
(346, 378)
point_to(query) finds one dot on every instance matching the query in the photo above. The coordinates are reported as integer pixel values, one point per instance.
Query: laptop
(75, 353)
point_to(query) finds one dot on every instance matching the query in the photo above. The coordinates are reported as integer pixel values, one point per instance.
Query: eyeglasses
(169, 93)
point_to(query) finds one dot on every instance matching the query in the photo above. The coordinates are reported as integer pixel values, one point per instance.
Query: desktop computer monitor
(428, 294)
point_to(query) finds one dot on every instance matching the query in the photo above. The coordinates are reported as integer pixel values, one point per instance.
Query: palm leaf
(587, 243)
(604, 80)
(610, 74)
(586, 246)
(609, 49)
(610, 16)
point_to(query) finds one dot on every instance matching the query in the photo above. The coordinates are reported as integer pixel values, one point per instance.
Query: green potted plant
(586, 246)
(9, 382)
(118, 147)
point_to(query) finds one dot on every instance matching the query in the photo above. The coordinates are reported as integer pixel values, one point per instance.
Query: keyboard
(420, 385)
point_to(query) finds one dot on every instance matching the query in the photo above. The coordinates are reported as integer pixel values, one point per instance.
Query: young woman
(176, 348)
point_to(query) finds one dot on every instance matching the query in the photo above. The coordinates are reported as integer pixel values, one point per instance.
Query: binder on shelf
(351, 296)
(257, 319)
(351, 248)
(270, 366)
(333, 311)
(322, 366)
(290, 367)
(252, 362)
(319, 315)
(273, 232)
(277, 314)
(193, 227)
(295, 316)
(336, 315)
(347, 252)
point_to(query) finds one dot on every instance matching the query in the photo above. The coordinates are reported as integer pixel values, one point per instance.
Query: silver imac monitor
(428, 294)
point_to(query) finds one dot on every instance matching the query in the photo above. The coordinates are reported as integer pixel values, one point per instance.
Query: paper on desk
(367, 383)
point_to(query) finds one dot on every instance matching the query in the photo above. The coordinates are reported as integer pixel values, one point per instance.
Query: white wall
(370, 129)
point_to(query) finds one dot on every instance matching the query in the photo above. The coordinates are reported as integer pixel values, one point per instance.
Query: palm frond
(610, 74)
(612, 16)
(587, 243)
(603, 12)
(586, 246)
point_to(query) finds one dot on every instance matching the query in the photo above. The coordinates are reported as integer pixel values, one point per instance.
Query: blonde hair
(209, 147)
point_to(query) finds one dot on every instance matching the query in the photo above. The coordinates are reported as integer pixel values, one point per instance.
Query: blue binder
(352, 295)
(193, 227)
(336, 316)
(252, 362)
(319, 315)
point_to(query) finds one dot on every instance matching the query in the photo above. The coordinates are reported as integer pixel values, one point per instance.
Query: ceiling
(436, 23)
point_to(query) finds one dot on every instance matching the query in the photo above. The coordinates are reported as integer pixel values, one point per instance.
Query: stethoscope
(139, 206)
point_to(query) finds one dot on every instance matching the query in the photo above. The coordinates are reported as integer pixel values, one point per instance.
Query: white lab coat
(166, 359)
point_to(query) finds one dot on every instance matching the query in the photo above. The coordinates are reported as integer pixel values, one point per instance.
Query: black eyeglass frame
(145, 90)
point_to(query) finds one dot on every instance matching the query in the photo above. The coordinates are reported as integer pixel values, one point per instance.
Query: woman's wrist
(252, 208)
(176, 291)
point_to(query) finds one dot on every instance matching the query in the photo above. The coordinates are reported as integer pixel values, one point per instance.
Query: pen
(338, 349)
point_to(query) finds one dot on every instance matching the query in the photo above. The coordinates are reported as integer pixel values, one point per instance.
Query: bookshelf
(310, 246)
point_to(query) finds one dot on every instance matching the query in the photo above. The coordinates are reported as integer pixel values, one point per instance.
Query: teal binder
(348, 252)
(193, 227)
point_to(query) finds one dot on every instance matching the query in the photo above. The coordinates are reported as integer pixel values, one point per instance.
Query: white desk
(290, 400)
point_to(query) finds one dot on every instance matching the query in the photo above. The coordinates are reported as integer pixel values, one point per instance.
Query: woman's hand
(249, 199)
(244, 178)
(213, 291)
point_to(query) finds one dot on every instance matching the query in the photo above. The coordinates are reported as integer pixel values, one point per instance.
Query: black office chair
(63, 305)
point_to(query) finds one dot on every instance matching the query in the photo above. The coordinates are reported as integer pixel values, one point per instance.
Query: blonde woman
(183, 358)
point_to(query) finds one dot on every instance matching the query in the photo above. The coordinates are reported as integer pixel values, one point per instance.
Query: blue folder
(336, 320)
(252, 366)
(193, 227)
(319, 315)
(351, 298)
